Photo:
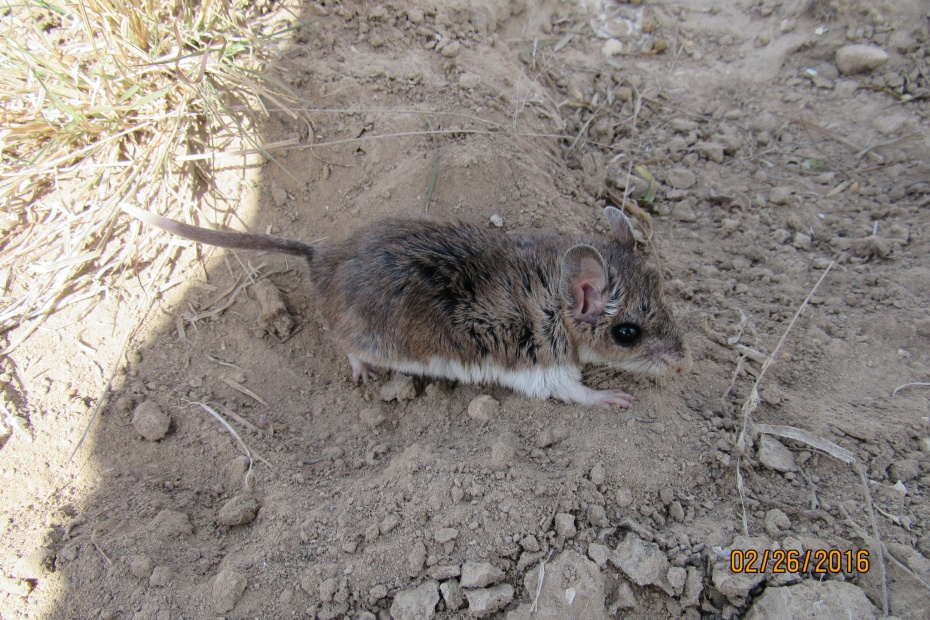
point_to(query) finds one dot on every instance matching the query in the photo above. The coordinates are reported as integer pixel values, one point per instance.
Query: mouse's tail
(235, 240)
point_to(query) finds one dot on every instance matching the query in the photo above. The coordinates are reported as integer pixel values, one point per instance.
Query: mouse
(455, 300)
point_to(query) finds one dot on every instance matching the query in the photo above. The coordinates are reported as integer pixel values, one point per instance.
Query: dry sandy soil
(768, 165)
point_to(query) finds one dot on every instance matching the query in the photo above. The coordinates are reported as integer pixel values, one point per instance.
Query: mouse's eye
(626, 334)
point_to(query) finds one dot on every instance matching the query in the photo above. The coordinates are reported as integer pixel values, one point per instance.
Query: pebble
(469, 81)
(278, 195)
(483, 408)
(372, 417)
(737, 585)
(852, 59)
(416, 558)
(441, 573)
(417, 603)
(780, 195)
(239, 510)
(485, 601)
(573, 587)
(924, 444)
(694, 586)
(141, 566)
(451, 50)
(643, 562)
(496, 221)
(830, 599)
(710, 150)
(676, 511)
(150, 421)
(801, 241)
(161, 576)
(480, 574)
(530, 543)
(598, 474)
(611, 47)
(774, 455)
(376, 593)
(169, 524)
(227, 590)
(399, 388)
(446, 534)
(599, 554)
(452, 594)
(776, 522)
(624, 498)
(680, 178)
(683, 125)
(684, 212)
(565, 525)
(503, 452)
(597, 515)
(676, 578)
(904, 470)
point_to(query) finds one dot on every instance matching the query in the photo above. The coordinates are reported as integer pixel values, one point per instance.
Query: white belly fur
(561, 382)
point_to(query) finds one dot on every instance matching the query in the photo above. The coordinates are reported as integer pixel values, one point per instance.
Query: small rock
(480, 574)
(416, 604)
(161, 576)
(776, 522)
(35, 564)
(483, 408)
(278, 195)
(469, 81)
(597, 515)
(503, 452)
(388, 523)
(801, 241)
(441, 573)
(904, 470)
(399, 388)
(683, 125)
(573, 587)
(376, 593)
(451, 50)
(780, 195)
(416, 558)
(150, 421)
(485, 601)
(924, 444)
(169, 524)
(372, 417)
(676, 578)
(676, 511)
(227, 590)
(452, 594)
(643, 562)
(694, 586)
(681, 178)
(599, 554)
(496, 221)
(565, 525)
(684, 212)
(624, 498)
(598, 474)
(852, 59)
(446, 534)
(774, 455)
(830, 599)
(530, 543)
(611, 47)
(141, 566)
(710, 150)
(239, 510)
(415, 15)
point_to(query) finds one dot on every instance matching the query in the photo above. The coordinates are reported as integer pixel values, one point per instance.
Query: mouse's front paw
(609, 398)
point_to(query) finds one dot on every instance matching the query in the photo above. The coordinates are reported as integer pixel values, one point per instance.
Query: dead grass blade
(97, 99)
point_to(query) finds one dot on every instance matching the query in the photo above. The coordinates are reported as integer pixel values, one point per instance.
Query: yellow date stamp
(818, 561)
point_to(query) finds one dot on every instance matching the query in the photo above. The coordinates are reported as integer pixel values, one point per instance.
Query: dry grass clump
(97, 100)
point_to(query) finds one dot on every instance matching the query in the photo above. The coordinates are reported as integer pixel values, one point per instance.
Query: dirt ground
(762, 155)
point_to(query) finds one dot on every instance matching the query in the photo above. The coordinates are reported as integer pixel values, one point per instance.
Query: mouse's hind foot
(361, 371)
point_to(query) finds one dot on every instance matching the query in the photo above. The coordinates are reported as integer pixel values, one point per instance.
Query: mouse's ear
(621, 226)
(583, 282)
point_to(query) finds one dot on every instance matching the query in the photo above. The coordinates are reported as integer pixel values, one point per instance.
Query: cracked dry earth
(763, 142)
